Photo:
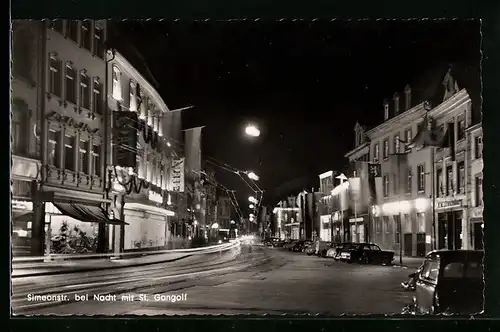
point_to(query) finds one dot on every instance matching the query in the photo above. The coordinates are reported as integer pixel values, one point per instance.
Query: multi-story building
(287, 216)
(325, 207)
(66, 67)
(224, 209)
(417, 205)
(475, 187)
(151, 210)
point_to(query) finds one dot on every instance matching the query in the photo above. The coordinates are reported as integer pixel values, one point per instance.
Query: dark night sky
(304, 83)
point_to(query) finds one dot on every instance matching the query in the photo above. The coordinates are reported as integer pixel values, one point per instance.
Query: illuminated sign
(325, 219)
(22, 205)
(155, 197)
(449, 204)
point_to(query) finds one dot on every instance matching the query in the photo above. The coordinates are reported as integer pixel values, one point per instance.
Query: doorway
(421, 250)
(408, 244)
(450, 230)
(478, 236)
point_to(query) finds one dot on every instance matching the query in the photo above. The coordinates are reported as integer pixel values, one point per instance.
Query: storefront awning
(87, 213)
(22, 215)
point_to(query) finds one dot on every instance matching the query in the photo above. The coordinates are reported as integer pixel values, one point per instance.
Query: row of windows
(383, 224)
(77, 155)
(448, 188)
(136, 100)
(78, 87)
(86, 34)
(421, 174)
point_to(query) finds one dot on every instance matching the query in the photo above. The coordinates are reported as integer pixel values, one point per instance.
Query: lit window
(96, 160)
(449, 182)
(376, 153)
(386, 185)
(386, 148)
(396, 144)
(54, 149)
(421, 178)
(150, 114)
(408, 136)
(55, 78)
(69, 153)
(84, 91)
(83, 157)
(85, 40)
(117, 89)
(461, 177)
(97, 97)
(70, 80)
(133, 98)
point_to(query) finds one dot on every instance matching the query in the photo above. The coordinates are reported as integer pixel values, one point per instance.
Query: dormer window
(396, 103)
(407, 97)
(386, 111)
(117, 89)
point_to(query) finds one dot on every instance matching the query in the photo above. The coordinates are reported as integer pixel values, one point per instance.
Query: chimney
(396, 103)
(407, 97)
(386, 110)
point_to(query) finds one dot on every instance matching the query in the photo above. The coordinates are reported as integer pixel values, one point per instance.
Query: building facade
(224, 212)
(68, 57)
(475, 188)
(154, 213)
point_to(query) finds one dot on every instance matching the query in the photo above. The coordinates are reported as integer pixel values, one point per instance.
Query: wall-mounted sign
(22, 205)
(325, 219)
(359, 219)
(155, 197)
(449, 204)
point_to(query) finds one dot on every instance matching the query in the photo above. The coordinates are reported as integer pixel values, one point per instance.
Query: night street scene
(246, 167)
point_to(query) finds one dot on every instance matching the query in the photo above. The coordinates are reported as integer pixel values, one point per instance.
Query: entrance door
(478, 235)
(408, 244)
(443, 230)
(421, 251)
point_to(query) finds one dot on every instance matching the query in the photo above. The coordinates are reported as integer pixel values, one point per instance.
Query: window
(376, 152)
(408, 136)
(386, 148)
(19, 127)
(83, 157)
(449, 180)
(85, 37)
(439, 185)
(478, 147)
(461, 177)
(421, 222)
(97, 97)
(57, 25)
(395, 184)
(133, 99)
(374, 247)
(117, 90)
(84, 91)
(96, 160)
(150, 113)
(410, 180)
(396, 143)
(454, 270)
(386, 112)
(70, 81)
(386, 185)
(461, 129)
(99, 42)
(421, 177)
(72, 30)
(406, 223)
(430, 270)
(69, 153)
(54, 148)
(378, 225)
(397, 234)
(479, 191)
(419, 127)
(386, 223)
(55, 79)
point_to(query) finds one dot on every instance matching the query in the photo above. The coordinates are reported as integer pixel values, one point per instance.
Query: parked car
(366, 253)
(450, 282)
(301, 245)
(335, 249)
(270, 242)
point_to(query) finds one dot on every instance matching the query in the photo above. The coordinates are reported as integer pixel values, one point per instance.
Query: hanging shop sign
(177, 175)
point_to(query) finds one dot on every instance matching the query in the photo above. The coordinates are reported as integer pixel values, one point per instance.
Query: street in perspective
(246, 167)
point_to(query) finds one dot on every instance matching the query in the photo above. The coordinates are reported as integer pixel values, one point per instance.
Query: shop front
(148, 226)
(451, 223)
(358, 228)
(326, 227)
(476, 226)
(22, 214)
(292, 231)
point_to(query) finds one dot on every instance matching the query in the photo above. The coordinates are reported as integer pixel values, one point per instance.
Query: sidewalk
(409, 262)
(61, 267)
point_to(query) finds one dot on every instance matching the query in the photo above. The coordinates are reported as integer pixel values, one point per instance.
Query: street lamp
(251, 206)
(215, 226)
(252, 199)
(253, 176)
(252, 131)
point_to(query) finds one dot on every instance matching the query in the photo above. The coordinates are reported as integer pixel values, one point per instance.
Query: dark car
(271, 242)
(301, 245)
(450, 282)
(339, 247)
(366, 253)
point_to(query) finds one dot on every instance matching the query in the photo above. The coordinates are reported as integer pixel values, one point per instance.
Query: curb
(92, 269)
